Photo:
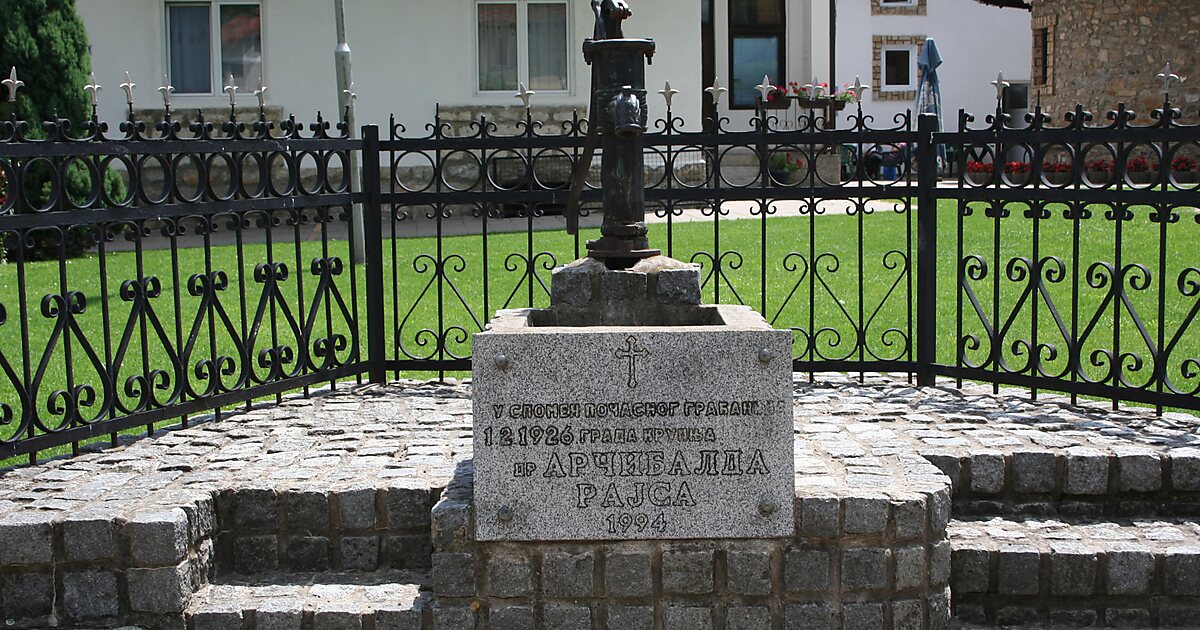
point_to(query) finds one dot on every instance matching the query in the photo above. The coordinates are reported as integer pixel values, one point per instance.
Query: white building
(469, 54)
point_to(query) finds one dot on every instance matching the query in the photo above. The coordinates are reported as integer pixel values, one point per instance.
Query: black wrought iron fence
(225, 272)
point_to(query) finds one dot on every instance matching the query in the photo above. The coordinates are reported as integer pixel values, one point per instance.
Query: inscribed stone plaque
(615, 433)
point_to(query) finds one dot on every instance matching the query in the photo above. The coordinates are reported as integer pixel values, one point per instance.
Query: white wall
(408, 56)
(976, 42)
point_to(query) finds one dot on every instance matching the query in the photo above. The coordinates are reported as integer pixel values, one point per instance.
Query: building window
(1042, 74)
(522, 42)
(757, 40)
(895, 76)
(899, 69)
(201, 57)
(898, 7)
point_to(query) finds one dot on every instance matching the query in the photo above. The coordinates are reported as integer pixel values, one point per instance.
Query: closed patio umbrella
(929, 90)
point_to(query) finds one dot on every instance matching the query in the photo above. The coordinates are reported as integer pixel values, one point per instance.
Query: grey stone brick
(202, 516)
(1018, 571)
(1072, 569)
(949, 464)
(910, 567)
(623, 285)
(88, 539)
(687, 571)
(308, 553)
(161, 590)
(26, 595)
(337, 620)
(453, 618)
(453, 574)
(255, 555)
(1139, 470)
(631, 617)
(286, 614)
(510, 618)
(1072, 617)
(864, 568)
(909, 516)
(806, 615)
(939, 512)
(1179, 616)
(970, 568)
(679, 286)
(970, 613)
(1033, 471)
(410, 551)
(26, 539)
(568, 617)
(908, 614)
(360, 553)
(987, 472)
(1087, 471)
(90, 595)
(1129, 572)
(158, 539)
(749, 571)
(1127, 617)
(307, 511)
(222, 619)
(819, 517)
(862, 616)
(451, 529)
(571, 286)
(568, 574)
(408, 508)
(1185, 471)
(1181, 571)
(510, 576)
(1017, 616)
(866, 515)
(628, 574)
(806, 570)
(939, 564)
(254, 508)
(939, 609)
(356, 507)
(747, 617)
(687, 618)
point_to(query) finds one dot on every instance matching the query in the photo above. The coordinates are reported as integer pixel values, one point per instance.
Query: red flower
(1016, 168)
(978, 167)
(1103, 166)
(1139, 164)
(1183, 163)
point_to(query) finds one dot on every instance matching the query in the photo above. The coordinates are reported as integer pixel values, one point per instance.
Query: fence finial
(13, 84)
(231, 89)
(1000, 84)
(167, 89)
(716, 91)
(1168, 77)
(668, 93)
(858, 89)
(817, 89)
(524, 94)
(128, 86)
(93, 88)
(261, 93)
(765, 88)
(351, 96)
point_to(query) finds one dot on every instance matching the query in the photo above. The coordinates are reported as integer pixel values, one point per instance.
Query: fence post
(926, 312)
(373, 233)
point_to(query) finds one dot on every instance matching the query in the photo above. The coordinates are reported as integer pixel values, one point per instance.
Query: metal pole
(832, 117)
(376, 331)
(345, 85)
(926, 249)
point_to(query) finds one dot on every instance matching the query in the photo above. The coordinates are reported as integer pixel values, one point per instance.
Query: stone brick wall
(854, 562)
(879, 7)
(1109, 51)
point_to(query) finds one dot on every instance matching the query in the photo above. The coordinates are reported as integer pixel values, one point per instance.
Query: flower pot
(1185, 177)
(1141, 179)
(782, 176)
(1058, 179)
(1099, 178)
(979, 179)
(1016, 179)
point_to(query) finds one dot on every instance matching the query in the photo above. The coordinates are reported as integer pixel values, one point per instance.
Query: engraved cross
(632, 353)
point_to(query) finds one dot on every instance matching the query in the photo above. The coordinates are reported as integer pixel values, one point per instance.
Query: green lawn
(861, 284)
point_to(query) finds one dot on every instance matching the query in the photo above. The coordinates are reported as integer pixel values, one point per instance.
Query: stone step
(385, 600)
(1076, 572)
